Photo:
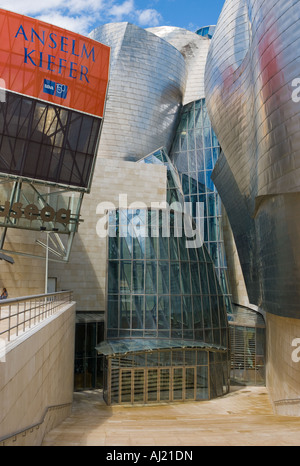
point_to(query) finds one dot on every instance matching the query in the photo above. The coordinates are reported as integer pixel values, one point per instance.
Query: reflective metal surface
(147, 82)
(252, 64)
(194, 48)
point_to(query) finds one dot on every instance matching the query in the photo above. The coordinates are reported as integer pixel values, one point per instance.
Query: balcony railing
(18, 315)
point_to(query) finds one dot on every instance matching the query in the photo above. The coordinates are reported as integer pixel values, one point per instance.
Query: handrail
(15, 317)
(28, 298)
(37, 424)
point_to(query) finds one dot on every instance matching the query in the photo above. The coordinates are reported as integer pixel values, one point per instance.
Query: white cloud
(78, 24)
(82, 16)
(122, 10)
(149, 17)
(30, 7)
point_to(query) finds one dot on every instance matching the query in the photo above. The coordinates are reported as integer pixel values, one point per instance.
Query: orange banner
(52, 64)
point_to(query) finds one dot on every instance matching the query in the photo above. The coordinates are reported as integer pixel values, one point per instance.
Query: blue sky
(84, 15)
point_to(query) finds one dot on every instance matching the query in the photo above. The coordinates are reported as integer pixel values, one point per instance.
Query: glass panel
(138, 277)
(190, 357)
(112, 311)
(185, 184)
(114, 389)
(212, 205)
(183, 249)
(203, 278)
(150, 246)
(164, 384)
(213, 229)
(177, 384)
(150, 312)
(139, 379)
(125, 307)
(138, 247)
(178, 358)
(202, 358)
(163, 278)
(214, 382)
(165, 358)
(163, 245)
(185, 278)
(126, 386)
(125, 277)
(175, 278)
(208, 159)
(215, 311)
(211, 278)
(174, 255)
(151, 277)
(202, 383)
(190, 383)
(152, 384)
(195, 278)
(197, 308)
(152, 359)
(140, 359)
(113, 277)
(176, 317)
(137, 312)
(113, 248)
(206, 312)
(187, 312)
(125, 246)
(163, 312)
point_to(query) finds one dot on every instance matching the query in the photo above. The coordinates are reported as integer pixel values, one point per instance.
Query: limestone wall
(283, 364)
(27, 275)
(36, 379)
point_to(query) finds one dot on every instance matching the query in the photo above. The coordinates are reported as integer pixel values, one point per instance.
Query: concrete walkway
(242, 418)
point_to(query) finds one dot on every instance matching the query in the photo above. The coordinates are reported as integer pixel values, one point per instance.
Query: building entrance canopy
(111, 347)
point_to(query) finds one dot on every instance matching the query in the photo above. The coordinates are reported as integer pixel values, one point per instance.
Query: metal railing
(30, 429)
(18, 315)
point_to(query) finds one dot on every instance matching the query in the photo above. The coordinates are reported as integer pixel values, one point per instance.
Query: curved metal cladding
(147, 83)
(194, 49)
(251, 70)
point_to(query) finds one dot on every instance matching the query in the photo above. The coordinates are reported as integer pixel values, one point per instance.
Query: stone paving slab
(244, 417)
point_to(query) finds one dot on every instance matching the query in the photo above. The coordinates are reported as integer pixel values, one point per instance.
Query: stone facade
(36, 376)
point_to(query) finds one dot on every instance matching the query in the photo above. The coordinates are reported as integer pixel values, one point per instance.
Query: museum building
(189, 143)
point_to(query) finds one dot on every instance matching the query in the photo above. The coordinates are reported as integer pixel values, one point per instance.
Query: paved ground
(242, 418)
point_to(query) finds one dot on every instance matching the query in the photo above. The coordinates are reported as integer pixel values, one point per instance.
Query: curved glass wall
(157, 286)
(165, 375)
(163, 299)
(194, 153)
(174, 190)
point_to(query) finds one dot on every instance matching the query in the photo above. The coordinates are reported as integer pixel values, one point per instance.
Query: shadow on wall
(26, 276)
(84, 274)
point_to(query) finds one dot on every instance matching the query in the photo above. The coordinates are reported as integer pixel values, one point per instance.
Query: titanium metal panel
(194, 48)
(147, 82)
(252, 65)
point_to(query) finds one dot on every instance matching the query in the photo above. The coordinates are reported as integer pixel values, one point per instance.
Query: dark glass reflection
(45, 142)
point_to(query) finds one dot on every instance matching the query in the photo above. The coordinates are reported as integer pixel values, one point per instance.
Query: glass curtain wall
(157, 286)
(163, 299)
(194, 153)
